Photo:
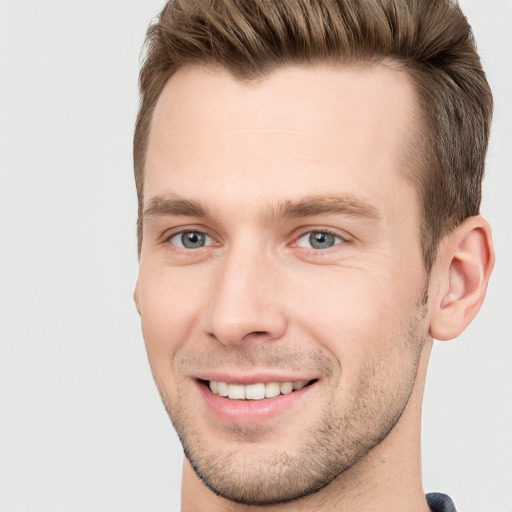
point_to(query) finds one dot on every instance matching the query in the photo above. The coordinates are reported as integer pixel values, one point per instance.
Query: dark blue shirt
(440, 502)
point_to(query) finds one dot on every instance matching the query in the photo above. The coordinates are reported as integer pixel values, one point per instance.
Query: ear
(136, 296)
(460, 276)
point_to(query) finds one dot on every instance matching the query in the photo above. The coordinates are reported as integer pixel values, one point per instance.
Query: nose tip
(244, 306)
(232, 329)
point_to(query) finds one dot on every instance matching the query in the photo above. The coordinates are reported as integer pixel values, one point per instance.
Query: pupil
(192, 240)
(321, 240)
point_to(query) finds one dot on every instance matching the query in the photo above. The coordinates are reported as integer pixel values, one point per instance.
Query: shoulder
(440, 502)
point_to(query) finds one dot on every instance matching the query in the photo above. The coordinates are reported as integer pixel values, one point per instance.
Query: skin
(258, 299)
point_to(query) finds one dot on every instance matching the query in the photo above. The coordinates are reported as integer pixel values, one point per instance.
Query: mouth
(252, 400)
(255, 391)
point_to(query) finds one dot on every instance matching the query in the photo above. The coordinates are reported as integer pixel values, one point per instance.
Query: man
(309, 181)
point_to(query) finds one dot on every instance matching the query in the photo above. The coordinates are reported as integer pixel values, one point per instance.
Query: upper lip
(236, 377)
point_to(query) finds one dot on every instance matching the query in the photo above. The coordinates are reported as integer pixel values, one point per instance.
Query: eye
(319, 240)
(191, 240)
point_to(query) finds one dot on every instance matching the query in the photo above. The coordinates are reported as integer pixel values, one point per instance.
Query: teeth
(272, 389)
(236, 391)
(222, 389)
(286, 387)
(257, 391)
(299, 384)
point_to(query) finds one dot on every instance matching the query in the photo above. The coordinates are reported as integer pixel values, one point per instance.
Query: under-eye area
(256, 391)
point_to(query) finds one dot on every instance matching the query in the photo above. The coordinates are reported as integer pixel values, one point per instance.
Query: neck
(387, 478)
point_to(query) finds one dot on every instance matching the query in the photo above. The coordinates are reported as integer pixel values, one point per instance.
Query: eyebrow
(171, 205)
(324, 204)
(309, 206)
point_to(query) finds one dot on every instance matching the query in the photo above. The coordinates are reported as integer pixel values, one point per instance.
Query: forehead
(314, 130)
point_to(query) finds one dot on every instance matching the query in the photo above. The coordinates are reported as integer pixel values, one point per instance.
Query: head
(431, 41)
(309, 178)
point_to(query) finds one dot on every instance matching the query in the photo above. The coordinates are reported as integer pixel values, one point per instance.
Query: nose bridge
(243, 302)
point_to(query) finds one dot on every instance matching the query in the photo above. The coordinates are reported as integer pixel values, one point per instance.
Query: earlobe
(462, 272)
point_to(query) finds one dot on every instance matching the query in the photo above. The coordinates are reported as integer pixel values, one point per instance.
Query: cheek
(358, 313)
(170, 304)
(376, 341)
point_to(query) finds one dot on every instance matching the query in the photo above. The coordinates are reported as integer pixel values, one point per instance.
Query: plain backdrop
(81, 425)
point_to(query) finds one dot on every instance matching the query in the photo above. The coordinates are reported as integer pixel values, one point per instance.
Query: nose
(244, 304)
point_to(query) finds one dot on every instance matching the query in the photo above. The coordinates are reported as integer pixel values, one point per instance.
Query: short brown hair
(431, 40)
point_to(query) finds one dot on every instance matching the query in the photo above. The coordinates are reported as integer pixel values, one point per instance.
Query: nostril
(256, 335)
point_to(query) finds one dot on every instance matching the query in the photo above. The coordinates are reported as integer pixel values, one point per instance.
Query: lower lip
(249, 412)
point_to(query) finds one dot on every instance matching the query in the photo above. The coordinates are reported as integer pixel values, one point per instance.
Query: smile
(254, 401)
(257, 391)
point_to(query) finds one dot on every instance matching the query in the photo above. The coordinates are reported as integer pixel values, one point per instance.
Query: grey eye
(319, 240)
(191, 240)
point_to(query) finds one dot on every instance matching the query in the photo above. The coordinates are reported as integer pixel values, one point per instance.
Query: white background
(81, 426)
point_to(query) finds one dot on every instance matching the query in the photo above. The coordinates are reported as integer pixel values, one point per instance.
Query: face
(281, 279)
